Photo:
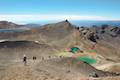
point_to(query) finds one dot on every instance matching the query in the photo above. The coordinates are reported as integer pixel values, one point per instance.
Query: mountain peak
(63, 23)
(66, 20)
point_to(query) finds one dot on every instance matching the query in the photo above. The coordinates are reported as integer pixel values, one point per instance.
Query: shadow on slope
(14, 50)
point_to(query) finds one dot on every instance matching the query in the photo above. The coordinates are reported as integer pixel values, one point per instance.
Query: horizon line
(57, 17)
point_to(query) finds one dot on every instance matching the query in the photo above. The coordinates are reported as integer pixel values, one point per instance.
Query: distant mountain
(31, 25)
(11, 25)
(7, 25)
(90, 23)
(86, 23)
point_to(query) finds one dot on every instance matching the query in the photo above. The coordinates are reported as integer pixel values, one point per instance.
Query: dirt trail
(18, 71)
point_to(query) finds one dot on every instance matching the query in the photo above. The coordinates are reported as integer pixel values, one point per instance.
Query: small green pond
(87, 60)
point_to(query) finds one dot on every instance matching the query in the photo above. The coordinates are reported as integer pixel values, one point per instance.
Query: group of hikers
(25, 59)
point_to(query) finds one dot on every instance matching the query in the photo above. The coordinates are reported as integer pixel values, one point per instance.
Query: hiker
(25, 59)
(34, 58)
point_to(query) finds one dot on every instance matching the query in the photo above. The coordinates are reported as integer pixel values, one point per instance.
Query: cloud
(34, 18)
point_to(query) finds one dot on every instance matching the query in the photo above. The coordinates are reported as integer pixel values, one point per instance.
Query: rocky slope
(104, 39)
(67, 65)
(51, 39)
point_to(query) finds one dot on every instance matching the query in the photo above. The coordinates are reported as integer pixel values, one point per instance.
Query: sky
(21, 11)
